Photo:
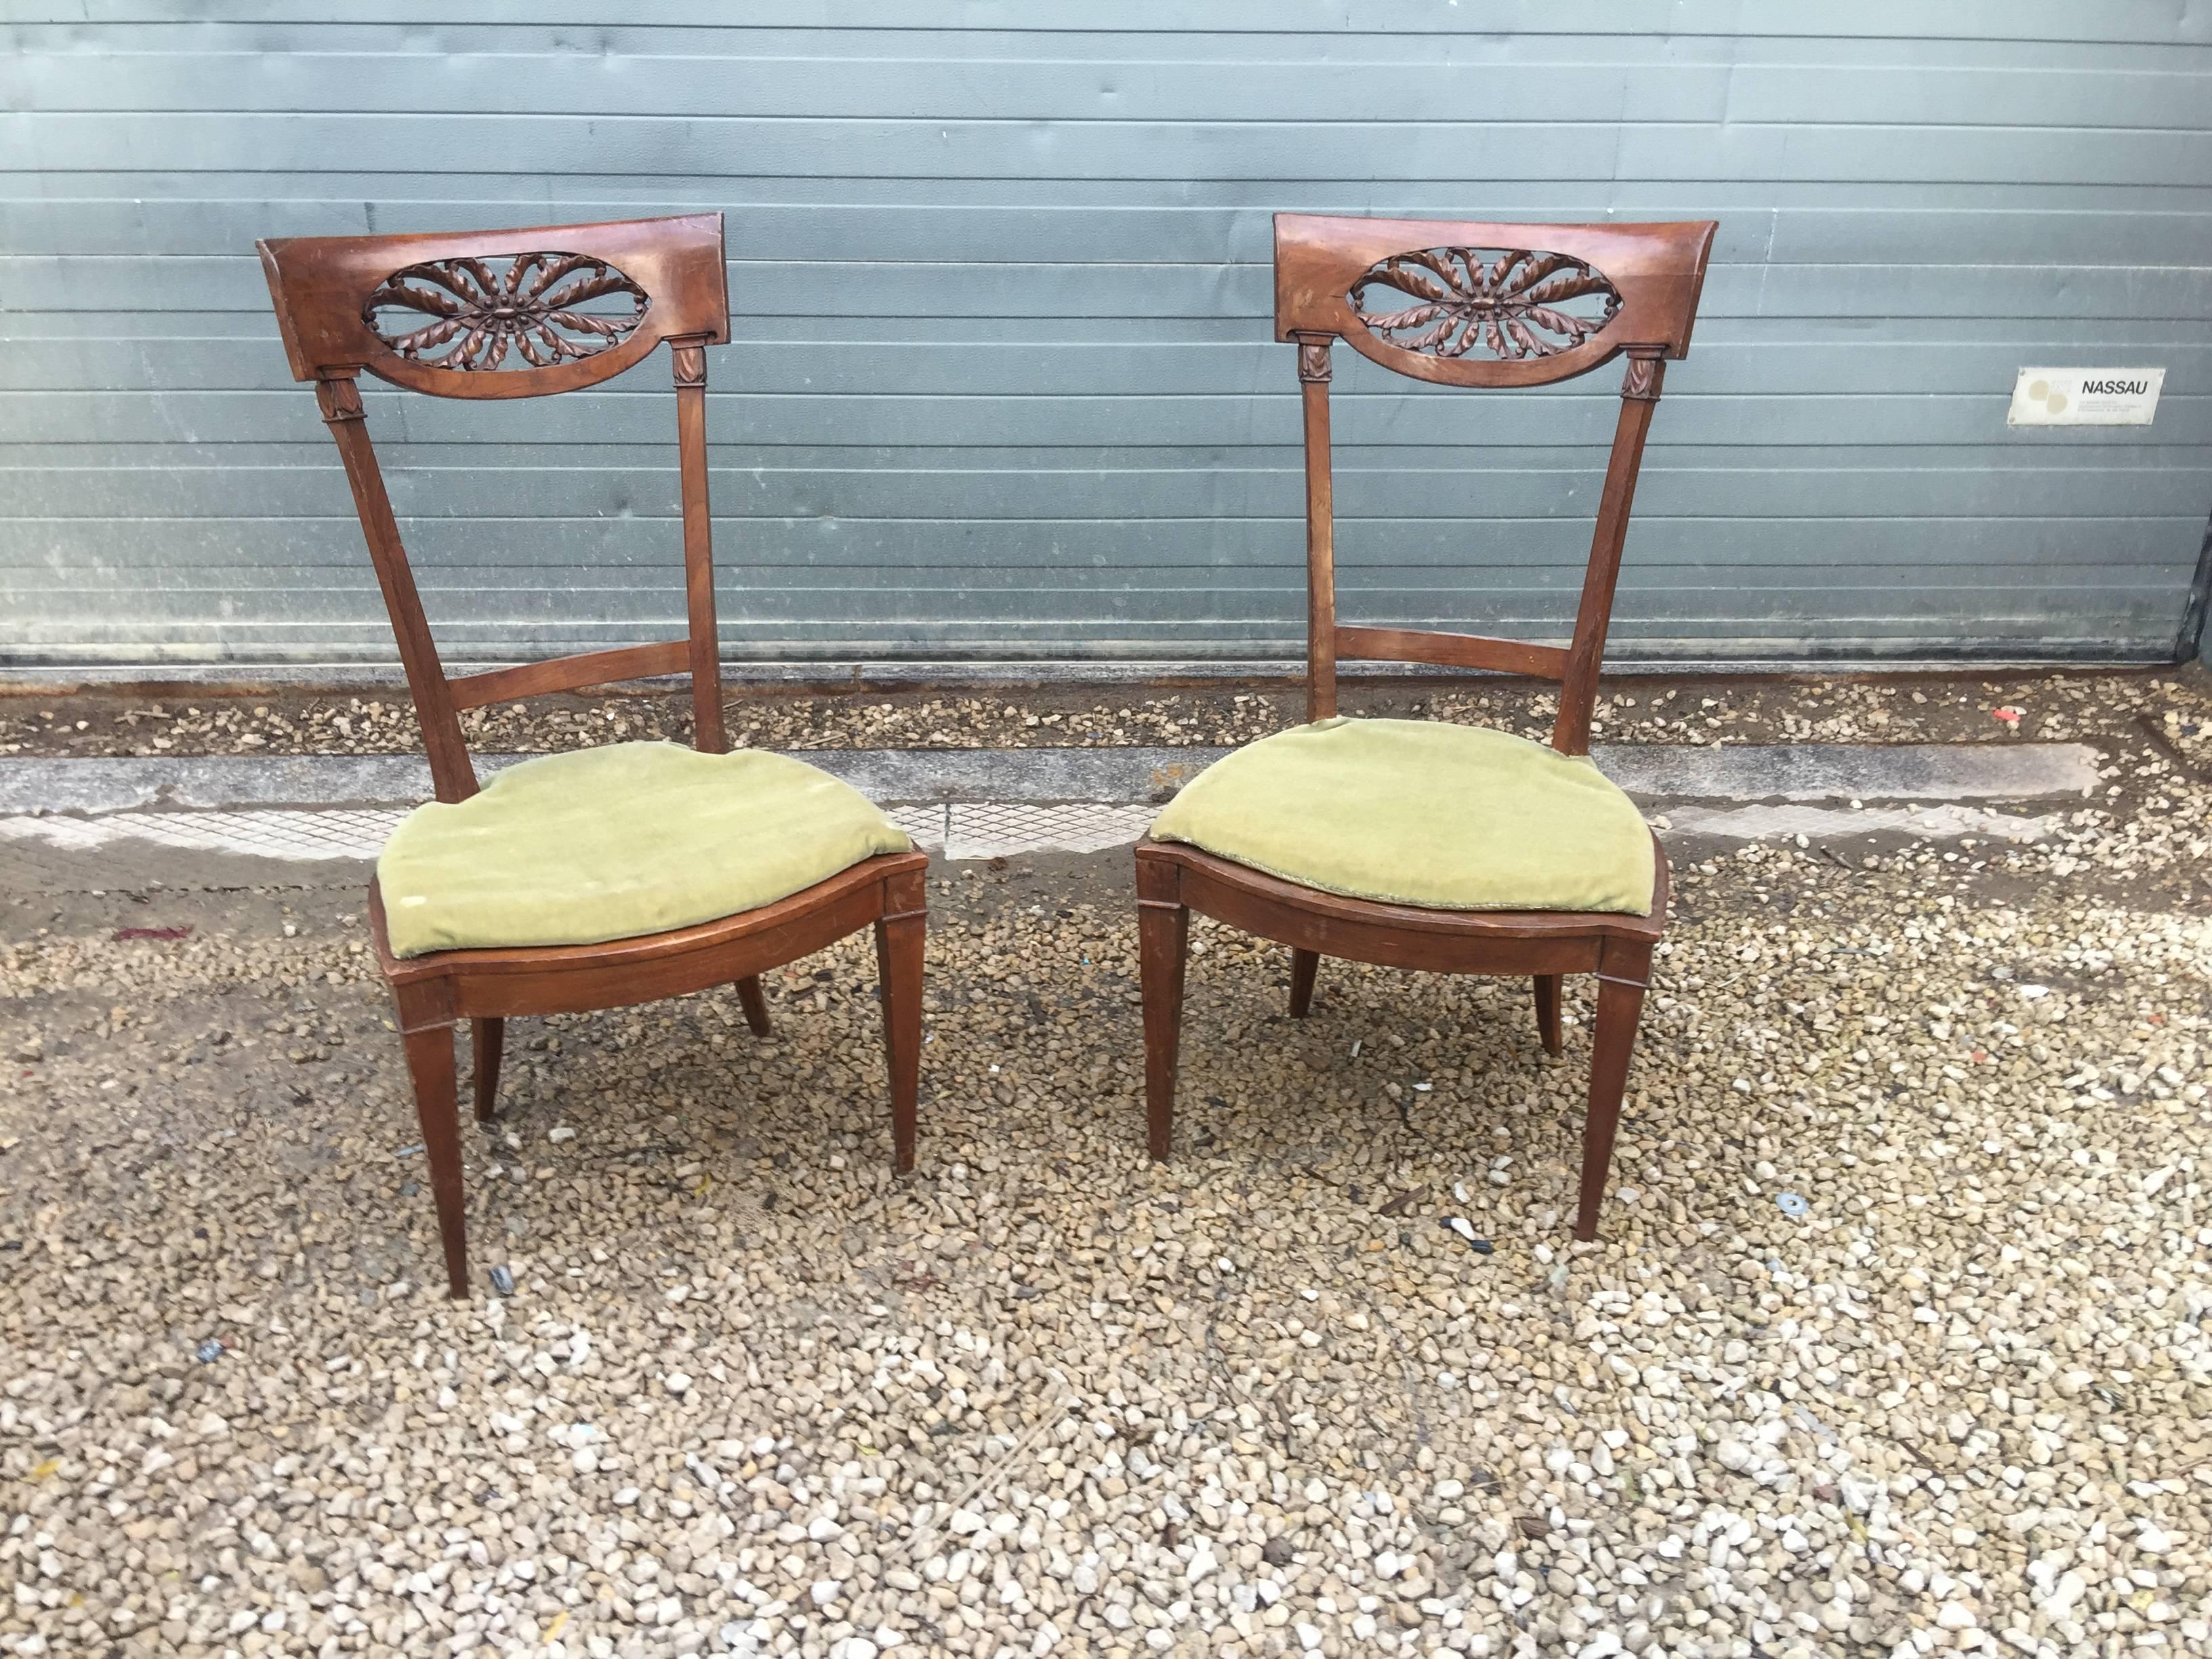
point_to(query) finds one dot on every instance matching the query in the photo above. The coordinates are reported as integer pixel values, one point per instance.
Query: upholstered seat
(616, 842)
(1449, 818)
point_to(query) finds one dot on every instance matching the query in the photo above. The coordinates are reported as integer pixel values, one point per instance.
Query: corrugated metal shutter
(1003, 386)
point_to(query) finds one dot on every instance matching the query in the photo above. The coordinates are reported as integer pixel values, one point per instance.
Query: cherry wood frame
(1654, 274)
(322, 287)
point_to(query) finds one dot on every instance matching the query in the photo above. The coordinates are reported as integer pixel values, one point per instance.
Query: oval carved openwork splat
(548, 307)
(1506, 304)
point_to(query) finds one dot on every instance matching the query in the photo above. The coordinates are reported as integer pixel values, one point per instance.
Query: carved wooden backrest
(1483, 305)
(511, 313)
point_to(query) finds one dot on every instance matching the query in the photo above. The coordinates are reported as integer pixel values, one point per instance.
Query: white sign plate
(2085, 396)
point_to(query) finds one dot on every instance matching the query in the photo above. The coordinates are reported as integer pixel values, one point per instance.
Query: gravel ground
(750, 1394)
(1894, 1342)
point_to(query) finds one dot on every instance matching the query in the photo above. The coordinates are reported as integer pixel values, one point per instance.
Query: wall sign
(2085, 396)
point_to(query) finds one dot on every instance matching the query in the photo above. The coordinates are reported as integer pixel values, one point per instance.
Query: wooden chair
(1477, 305)
(524, 313)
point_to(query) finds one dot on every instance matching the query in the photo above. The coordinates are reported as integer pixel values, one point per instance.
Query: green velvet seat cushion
(613, 842)
(1450, 818)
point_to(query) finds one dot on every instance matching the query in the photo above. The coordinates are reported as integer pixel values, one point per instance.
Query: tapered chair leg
(1163, 937)
(1304, 964)
(430, 1061)
(899, 944)
(1547, 1011)
(1620, 1006)
(755, 1002)
(487, 1041)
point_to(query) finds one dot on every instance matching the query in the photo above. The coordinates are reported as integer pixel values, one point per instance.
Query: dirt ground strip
(1894, 1342)
(1896, 708)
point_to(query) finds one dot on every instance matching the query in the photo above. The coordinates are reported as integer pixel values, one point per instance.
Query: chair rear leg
(1304, 964)
(1163, 935)
(486, 1042)
(900, 940)
(430, 1061)
(755, 1001)
(1620, 1006)
(1547, 1010)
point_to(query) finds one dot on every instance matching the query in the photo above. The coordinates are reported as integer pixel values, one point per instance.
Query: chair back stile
(1483, 305)
(575, 305)
(688, 358)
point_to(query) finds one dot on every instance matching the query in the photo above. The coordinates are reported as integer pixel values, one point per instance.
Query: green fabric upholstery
(1452, 817)
(613, 842)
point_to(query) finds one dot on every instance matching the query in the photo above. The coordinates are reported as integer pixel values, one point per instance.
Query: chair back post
(1321, 530)
(1501, 306)
(1639, 397)
(453, 776)
(575, 305)
(689, 360)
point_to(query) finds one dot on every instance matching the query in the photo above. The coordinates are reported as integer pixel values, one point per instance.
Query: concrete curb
(1804, 772)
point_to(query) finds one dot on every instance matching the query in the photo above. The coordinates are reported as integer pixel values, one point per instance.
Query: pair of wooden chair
(624, 874)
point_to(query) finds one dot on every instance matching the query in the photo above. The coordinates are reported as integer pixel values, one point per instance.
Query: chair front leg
(430, 1062)
(1163, 941)
(1304, 965)
(900, 941)
(1619, 1007)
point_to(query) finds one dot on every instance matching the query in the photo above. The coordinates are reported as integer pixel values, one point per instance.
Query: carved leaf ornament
(537, 307)
(1507, 304)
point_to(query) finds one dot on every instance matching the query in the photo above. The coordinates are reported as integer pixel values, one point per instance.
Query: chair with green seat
(610, 876)
(1415, 844)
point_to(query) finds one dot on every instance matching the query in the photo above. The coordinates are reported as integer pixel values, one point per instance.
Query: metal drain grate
(342, 833)
(1945, 822)
(962, 831)
(925, 824)
(985, 829)
(50, 851)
